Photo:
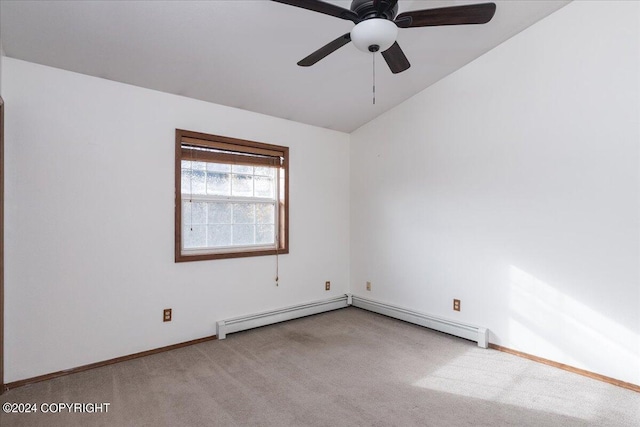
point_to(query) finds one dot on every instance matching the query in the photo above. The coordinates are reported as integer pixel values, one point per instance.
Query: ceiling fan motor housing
(365, 10)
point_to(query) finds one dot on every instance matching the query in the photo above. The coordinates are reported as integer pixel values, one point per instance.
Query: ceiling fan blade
(323, 7)
(454, 15)
(396, 60)
(325, 50)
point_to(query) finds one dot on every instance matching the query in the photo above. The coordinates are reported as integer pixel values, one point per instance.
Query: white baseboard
(462, 330)
(251, 321)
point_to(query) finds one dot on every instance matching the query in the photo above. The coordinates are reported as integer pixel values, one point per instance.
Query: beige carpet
(344, 368)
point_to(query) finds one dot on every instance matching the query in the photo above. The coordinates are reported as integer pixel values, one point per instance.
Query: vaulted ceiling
(243, 53)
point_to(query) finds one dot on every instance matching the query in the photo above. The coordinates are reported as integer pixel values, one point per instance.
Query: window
(231, 197)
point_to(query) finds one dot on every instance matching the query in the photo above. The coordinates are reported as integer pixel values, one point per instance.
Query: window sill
(225, 255)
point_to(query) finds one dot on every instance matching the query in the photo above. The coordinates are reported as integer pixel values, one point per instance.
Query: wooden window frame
(222, 142)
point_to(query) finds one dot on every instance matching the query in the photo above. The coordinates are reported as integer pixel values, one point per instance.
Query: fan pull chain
(191, 193)
(374, 78)
(277, 189)
(277, 261)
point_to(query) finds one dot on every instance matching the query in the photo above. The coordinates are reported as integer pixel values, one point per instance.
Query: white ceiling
(243, 53)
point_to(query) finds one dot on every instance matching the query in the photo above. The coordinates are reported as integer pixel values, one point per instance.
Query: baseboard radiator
(462, 330)
(251, 321)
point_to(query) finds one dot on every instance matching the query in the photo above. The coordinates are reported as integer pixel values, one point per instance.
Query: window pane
(185, 164)
(199, 212)
(264, 171)
(184, 183)
(263, 186)
(218, 183)
(242, 185)
(197, 182)
(194, 237)
(194, 213)
(243, 234)
(244, 213)
(242, 169)
(282, 186)
(265, 234)
(218, 167)
(219, 235)
(265, 213)
(219, 213)
(186, 213)
(198, 166)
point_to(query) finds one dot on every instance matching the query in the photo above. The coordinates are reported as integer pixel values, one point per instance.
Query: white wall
(513, 185)
(1, 60)
(1, 54)
(89, 221)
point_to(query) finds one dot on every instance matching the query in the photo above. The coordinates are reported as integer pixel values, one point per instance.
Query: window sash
(233, 183)
(204, 198)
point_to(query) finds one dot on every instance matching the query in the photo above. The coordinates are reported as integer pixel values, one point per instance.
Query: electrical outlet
(166, 315)
(327, 285)
(368, 286)
(456, 304)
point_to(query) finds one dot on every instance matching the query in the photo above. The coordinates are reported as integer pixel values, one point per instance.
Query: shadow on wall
(545, 322)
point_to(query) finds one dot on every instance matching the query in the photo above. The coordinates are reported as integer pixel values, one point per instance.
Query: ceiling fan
(377, 25)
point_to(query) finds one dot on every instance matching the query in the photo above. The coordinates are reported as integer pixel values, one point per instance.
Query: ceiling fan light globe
(375, 31)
